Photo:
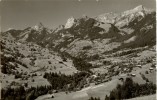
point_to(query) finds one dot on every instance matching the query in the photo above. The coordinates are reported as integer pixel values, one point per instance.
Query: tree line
(129, 89)
(67, 82)
(21, 93)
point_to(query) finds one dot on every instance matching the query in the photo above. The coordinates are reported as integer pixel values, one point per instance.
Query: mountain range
(110, 31)
(88, 56)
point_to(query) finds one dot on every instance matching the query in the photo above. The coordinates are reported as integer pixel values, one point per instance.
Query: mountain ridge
(125, 26)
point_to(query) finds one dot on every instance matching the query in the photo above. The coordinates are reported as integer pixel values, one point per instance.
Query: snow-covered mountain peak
(70, 22)
(38, 27)
(85, 16)
(9, 29)
(107, 17)
(139, 8)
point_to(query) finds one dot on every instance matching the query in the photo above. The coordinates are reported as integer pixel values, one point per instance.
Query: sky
(20, 14)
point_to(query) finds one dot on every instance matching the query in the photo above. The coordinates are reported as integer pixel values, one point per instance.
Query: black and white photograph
(78, 50)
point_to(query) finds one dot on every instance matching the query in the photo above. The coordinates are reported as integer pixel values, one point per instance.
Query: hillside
(83, 58)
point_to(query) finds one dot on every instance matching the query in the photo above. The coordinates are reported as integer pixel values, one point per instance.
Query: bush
(81, 64)
(33, 80)
(26, 84)
(18, 76)
(4, 69)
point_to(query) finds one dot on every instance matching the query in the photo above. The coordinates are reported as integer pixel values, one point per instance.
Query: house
(55, 91)
(154, 60)
(125, 69)
(50, 96)
(139, 66)
(126, 64)
(115, 62)
(94, 76)
(133, 75)
(150, 68)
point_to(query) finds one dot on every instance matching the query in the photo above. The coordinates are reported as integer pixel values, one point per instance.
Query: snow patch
(130, 40)
(70, 22)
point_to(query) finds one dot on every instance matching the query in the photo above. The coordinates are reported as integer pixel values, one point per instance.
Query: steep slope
(144, 33)
(123, 19)
(30, 34)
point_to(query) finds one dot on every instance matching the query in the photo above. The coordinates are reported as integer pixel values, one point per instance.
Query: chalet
(126, 64)
(106, 80)
(18, 43)
(125, 69)
(139, 66)
(94, 76)
(50, 94)
(97, 83)
(133, 75)
(154, 60)
(86, 85)
(54, 91)
(115, 62)
(150, 68)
